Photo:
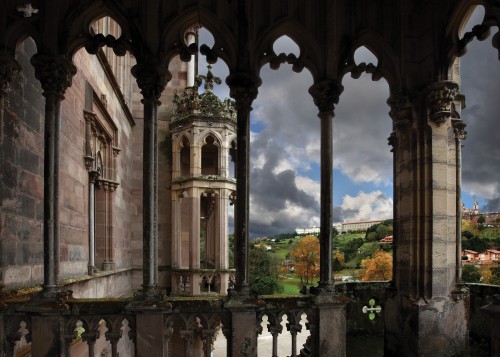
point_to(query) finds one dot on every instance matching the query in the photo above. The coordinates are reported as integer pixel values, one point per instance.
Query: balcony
(352, 320)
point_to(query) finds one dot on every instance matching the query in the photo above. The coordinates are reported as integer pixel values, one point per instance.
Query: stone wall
(21, 170)
(21, 160)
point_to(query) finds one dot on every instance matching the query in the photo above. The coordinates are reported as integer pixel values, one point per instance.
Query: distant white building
(312, 230)
(341, 227)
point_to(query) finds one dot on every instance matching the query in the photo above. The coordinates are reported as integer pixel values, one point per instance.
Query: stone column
(55, 75)
(243, 88)
(425, 314)
(460, 133)
(151, 79)
(93, 178)
(326, 94)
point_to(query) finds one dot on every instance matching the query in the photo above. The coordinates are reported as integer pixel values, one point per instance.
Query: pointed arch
(455, 45)
(172, 38)
(77, 28)
(310, 50)
(386, 66)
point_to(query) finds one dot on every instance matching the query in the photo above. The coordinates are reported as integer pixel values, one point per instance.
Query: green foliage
(263, 272)
(495, 275)
(477, 244)
(351, 248)
(379, 231)
(481, 219)
(471, 274)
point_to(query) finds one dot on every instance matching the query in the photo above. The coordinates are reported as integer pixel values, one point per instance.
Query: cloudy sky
(285, 147)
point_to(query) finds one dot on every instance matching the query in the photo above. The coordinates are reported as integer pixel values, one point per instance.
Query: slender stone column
(243, 88)
(326, 94)
(151, 79)
(93, 177)
(460, 134)
(55, 75)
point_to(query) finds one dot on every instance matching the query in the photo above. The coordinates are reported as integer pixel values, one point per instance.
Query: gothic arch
(218, 140)
(17, 33)
(456, 46)
(309, 48)
(77, 33)
(385, 68)
(172, 36)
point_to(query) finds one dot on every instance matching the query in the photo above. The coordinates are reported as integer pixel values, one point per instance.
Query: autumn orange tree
(306, 257)
(378, 267)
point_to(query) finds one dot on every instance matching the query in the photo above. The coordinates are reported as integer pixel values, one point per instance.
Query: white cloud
(366, 206)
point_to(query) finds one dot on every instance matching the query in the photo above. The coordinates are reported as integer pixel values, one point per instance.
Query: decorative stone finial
(27, 9)
(206, 104)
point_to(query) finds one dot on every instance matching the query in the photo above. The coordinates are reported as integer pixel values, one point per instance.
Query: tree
(306, 257)
(378, 267)
(263, 272)
(338, 262)
(471, 274)
(469, 226)
(481, 219)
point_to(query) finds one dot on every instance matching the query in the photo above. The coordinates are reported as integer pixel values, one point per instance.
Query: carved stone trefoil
(440, 97)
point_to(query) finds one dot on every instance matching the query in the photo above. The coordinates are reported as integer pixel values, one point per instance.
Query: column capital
(55, 73)
(440, 96)
(151, 78)
(8, 69)
(401, 109)
(326, 94)
(243, 87)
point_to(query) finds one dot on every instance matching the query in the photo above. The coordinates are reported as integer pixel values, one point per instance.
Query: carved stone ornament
(440, 96)
(400, 113)
(8, 69)
(243, 87)
(326, 94)
(459, 129)
(151, 79)
(206, 104)
(54, 73)
(392, 140)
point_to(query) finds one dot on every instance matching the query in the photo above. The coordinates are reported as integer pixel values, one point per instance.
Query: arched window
(210, 157)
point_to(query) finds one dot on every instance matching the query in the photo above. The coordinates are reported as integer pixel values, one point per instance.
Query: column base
(149, 298)
(108, 266)
(436, 326)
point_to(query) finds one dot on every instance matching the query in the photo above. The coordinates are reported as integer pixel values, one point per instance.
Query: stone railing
(177, 326)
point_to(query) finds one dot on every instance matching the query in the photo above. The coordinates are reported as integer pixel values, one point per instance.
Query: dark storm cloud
(481, 152)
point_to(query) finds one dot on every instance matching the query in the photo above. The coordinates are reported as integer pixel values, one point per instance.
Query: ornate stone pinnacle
(151, 79)
(55, 73)
(8, 69)
(440, 96)
(243, 87)
(209, 79)
(326, 94)
(206, 104)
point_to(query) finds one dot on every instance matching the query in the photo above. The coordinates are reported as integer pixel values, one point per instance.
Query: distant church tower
(203, 130)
